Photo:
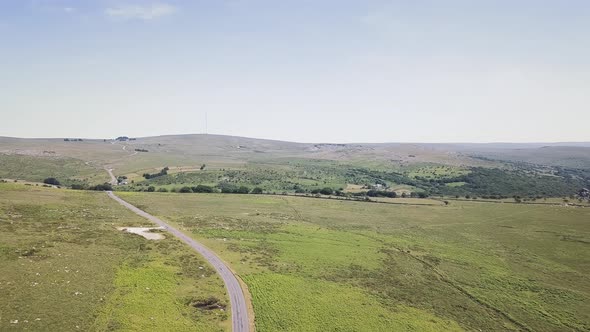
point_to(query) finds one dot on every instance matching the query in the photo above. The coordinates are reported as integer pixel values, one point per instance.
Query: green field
(64, 267)
(313, 264)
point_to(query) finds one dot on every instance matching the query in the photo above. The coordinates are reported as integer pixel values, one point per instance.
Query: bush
(327, 191)
(185, 190)
(52, 181)
(243, 190)
(227, 188)
(202, 189)
(102, 187)
(257, 191)
(379, 193)
(162, 190)
(151, 189)
(163, 172)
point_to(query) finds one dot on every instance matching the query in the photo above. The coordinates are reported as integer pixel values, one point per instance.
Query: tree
(202, 189)
(257, 191)
(102, 187)
(185, 190)
(151, 189)
(243, 190)
(163, 172)
(52, 181)
(326, 191)
(203, 167)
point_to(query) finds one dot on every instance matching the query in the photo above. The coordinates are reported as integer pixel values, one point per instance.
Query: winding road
(239, 309)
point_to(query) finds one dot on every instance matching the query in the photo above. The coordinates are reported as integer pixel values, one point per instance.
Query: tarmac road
(239, 310)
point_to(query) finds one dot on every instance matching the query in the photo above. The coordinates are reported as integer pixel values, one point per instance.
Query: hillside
(536, 169)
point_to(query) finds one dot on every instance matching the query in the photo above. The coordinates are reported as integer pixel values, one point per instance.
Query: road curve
(239, 309)
(113, 178)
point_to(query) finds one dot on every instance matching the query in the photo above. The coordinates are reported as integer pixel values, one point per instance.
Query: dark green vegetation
(326, 178)
(163, 172)
(317, 265)
(64, 267)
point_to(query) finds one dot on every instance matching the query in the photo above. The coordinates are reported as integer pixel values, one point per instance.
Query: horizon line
(298, 142)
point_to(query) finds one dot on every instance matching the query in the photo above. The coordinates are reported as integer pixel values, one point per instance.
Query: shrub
(52, 181)
(163, 172)
(185, 190)
(326, 191)
(151, 189)
(202, 189)
(102, 187)
(162, 190)
(243, 190)
(257, 191)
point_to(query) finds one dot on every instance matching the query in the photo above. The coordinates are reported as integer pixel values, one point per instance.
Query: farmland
(64, 266)
(464, 266)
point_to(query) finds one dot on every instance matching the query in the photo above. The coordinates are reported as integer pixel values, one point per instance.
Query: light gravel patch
(144, 231)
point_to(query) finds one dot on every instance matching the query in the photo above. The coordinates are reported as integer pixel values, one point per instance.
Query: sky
(297, 70)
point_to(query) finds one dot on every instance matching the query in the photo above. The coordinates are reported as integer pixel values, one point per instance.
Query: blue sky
(310, 71)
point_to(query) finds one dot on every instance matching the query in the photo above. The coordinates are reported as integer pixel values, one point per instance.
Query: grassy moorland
(64, 267)
(317, 265)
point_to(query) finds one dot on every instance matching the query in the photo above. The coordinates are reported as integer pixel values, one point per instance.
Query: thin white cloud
(69, 9)
(137, 12)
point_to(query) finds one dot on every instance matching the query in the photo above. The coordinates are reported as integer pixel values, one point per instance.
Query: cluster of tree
(99, 187)
(381, 193)
(480, 181)
(163, 172)
(323, 191)
(73, 140)
(141, 150)
(52, 181)
(226, 189)
(505, 183)
(203, 189)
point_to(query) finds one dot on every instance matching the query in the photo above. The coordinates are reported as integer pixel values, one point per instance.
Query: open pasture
(64, 266)
(312, 263)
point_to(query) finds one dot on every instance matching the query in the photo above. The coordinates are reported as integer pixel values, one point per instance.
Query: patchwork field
(312, 264)
(65, 267)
